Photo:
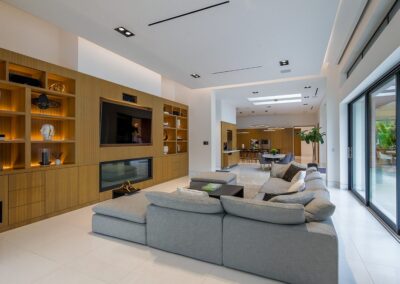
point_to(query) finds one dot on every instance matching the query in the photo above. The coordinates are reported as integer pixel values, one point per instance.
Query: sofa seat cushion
(131, 208)
(265, 211)
(215, 177)
(183, 202)
(275, 186)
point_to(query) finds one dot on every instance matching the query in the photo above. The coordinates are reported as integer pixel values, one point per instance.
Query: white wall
(31, 36)
(201, 118)
(322, 124)
(278, 120)
(105, 64)
(381, 57)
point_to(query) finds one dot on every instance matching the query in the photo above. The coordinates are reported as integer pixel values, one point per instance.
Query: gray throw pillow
(278, 170)
(298, 198)
(319, 209)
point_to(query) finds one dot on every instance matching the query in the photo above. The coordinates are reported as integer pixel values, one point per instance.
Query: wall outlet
(205, 142)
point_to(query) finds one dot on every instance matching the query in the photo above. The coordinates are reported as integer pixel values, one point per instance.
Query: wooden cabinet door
(3, 202)
(88, 184)
(25, 197)
(61, 189)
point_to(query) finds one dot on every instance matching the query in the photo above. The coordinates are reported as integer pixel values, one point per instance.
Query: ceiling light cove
(277, 102)
(124, 31)
(291, 96)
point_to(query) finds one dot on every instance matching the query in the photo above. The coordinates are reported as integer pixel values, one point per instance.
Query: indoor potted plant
(313, 136)
(274, 152)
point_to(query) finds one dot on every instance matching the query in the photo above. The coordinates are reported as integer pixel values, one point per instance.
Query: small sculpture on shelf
(166, 149)
(57, 156)
(47, 132)
(127, 186)
(43, 102)
(58, 87)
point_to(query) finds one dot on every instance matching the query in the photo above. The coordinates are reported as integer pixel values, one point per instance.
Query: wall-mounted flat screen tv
(123, 124)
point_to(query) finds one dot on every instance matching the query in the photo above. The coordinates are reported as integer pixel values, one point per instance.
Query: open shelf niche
(175, 129)
(21, 119)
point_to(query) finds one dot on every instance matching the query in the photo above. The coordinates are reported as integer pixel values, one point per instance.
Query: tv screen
(122, 124)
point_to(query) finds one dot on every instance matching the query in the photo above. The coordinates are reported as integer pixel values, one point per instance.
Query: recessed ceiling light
(307, 87)
(124, 31)
(291, 96)
(284, 62)
(255, 92)
(305, 104)
(194, 75)
(277, 102)
(306, 97)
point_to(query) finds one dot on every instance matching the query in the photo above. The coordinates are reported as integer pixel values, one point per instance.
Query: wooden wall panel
(69, 186)
(280, 139)
(4, 201)
(61, 189)
(88, 184)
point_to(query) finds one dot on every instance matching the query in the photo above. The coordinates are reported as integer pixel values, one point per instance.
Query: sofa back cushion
(265, 211)
(183, 202)
(278, 170)
(319, 209)
(312, 176)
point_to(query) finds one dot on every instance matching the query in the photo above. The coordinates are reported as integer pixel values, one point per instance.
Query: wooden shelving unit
(175, 129)
(21, 119)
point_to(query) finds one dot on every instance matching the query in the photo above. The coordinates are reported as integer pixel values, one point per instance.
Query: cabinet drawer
(26, 180)
(26, 212)
(26, 196)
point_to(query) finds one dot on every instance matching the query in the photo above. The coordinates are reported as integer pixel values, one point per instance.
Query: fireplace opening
(114, 173)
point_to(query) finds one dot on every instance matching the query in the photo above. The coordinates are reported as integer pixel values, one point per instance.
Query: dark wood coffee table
(225, 189)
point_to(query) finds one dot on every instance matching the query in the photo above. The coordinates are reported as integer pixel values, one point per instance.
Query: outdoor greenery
(386, 134)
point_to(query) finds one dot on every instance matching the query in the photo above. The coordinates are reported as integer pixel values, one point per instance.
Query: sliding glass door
(383, 170)
(373, 156)
(357, 147)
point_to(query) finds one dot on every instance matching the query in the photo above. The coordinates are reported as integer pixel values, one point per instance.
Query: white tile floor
(63, 250)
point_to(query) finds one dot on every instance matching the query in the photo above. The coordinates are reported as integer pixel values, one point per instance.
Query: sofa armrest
(304, 253)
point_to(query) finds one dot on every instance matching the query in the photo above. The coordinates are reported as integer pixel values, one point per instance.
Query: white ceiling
(238, 96)
(240, 34)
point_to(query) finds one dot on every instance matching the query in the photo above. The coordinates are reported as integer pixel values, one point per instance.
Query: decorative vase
(166, 150)
(45, 157)
(58, 162)
(47, 132)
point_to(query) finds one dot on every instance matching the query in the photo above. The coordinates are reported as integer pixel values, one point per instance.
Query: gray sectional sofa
(294, 242)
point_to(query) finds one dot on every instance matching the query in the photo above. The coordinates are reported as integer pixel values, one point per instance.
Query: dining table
(273, 157)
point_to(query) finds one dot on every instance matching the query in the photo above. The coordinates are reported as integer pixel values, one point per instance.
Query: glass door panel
(383, 149)
(358, 158)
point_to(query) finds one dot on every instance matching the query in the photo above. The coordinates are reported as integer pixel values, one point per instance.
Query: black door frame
(394, 72)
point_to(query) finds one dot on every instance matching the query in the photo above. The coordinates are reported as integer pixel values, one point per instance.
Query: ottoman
(214, 177)
(123, 218)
